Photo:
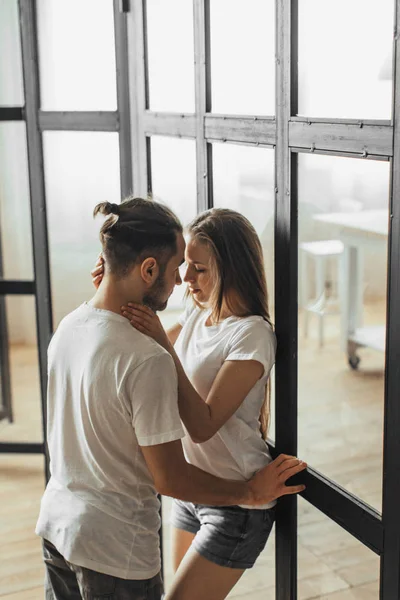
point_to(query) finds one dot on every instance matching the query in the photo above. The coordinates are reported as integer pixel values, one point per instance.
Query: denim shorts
(229, 536)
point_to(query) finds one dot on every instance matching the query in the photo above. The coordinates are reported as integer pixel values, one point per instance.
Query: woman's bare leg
(198, 578)
(181, 541)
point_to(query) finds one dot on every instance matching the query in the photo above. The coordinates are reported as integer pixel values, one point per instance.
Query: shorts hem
(222, 562)
(184, 526)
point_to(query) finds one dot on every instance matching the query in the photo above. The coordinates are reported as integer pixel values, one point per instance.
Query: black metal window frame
(289, 134)
(38, 121)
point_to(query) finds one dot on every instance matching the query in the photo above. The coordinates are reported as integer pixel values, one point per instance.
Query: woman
(223, 348)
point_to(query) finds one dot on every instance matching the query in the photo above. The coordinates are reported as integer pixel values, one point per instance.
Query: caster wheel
(354, 361)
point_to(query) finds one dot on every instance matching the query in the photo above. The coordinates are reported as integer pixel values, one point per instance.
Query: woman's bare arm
(202, 417)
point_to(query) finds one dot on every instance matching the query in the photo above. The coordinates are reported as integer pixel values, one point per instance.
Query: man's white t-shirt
(111, 390)
(237, 450)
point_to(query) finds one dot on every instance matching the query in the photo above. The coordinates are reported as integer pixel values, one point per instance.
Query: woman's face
(198, 270)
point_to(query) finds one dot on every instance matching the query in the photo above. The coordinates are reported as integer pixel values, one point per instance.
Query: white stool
(323, 303)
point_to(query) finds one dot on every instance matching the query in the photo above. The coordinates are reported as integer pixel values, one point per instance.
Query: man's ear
(149, 270)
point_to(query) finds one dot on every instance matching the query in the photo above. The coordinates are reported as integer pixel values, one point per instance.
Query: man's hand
(270, 483)
(98, 272)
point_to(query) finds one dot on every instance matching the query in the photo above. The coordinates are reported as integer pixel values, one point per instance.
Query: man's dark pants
(65, 581)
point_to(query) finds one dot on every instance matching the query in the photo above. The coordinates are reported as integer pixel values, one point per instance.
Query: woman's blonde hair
(237, 266)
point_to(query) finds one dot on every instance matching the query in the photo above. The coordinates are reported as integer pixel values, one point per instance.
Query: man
(113, 424)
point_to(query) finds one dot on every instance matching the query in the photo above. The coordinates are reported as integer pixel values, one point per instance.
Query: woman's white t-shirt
(237, 450)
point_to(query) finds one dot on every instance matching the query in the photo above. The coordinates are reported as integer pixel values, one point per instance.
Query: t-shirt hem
(83, 561)
(162, 438)
(263, 507)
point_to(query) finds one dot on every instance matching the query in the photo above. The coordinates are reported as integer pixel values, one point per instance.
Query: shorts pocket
(230, 523)
(267, 522)
(269, 515)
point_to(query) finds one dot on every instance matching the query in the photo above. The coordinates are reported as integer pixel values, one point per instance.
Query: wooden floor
(340, 433)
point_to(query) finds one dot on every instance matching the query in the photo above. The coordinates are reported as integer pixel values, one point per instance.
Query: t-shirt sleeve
(253, 341)
(153, 391)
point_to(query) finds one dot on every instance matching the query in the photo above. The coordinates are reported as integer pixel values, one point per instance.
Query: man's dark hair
(136, 229)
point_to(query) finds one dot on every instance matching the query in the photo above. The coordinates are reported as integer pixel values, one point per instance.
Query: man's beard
(154, 298)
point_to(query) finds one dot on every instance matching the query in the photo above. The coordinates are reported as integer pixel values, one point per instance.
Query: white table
(357, 230)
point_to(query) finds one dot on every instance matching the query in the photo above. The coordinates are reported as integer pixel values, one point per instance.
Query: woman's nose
(188, 276)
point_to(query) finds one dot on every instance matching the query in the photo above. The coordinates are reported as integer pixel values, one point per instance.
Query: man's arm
(173, 476)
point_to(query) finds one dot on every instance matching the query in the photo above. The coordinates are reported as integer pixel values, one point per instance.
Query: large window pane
(81, 169)
(23, 372)
(343, 230)
(333, 565)
(243, 56)
(15, 213)
(77, 54)
(173, 174)
(11, 84)
(170, 55)
(345, 70)
(244, 181)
